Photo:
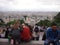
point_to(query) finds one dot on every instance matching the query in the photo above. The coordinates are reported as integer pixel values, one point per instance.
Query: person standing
(36, 33)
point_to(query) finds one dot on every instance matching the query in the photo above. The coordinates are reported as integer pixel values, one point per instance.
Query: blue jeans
(48, 43)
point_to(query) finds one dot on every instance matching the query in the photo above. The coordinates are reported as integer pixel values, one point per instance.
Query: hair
(53, 24)
(16, 25)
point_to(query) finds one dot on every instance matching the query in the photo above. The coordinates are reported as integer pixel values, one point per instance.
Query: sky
(30, 5)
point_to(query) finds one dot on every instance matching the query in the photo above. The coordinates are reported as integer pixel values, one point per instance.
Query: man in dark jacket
(51, 35)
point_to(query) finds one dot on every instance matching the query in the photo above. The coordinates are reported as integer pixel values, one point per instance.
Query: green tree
(57, 18)
(11, 23)
(40, 23)
(22, 21)
(47, 22)
(2, 23)
(44, 22)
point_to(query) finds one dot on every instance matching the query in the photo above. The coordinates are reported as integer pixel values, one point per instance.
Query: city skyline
(11, 15)
(28, 13)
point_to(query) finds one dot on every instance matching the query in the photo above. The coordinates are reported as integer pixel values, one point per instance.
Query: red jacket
(26, 34)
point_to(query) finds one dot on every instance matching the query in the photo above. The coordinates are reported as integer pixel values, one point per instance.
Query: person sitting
(26, 34)
(52, 35)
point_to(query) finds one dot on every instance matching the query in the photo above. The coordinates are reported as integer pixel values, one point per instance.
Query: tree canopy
(2, 22)
(44, 22)
(57, 18)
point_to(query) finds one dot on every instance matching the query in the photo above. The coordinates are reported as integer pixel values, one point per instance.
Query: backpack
(36, 29)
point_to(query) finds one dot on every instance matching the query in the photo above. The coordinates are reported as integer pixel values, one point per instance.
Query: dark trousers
(16, 39)
(37, 38)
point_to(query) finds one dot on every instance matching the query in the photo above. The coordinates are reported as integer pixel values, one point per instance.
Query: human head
(17, 24)
(54, 26)
(23, 25)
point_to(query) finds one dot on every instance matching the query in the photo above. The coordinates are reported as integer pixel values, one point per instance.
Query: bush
(11, 23)
(22, 21)
(57, 19)
(2, 24)
(44, 22)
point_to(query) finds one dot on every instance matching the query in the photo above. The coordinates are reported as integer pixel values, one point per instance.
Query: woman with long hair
(16, 33)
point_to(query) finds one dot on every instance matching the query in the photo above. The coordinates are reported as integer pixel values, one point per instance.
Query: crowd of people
(25, 33)
(20, 32)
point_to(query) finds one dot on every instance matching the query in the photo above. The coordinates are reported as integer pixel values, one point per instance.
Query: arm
(57, 36)
(48, 36)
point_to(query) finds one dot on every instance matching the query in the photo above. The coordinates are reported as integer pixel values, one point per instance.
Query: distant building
(32, 17)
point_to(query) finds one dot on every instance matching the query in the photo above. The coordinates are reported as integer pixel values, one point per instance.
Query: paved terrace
(40, 42)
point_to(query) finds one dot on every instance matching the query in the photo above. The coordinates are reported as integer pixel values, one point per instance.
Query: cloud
(30, 5)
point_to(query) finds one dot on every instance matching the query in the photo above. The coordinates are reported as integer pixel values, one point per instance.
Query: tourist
(52, 35)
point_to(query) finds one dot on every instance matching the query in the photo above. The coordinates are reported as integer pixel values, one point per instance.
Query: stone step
(3, 40)
(32, 42)
(37, 42)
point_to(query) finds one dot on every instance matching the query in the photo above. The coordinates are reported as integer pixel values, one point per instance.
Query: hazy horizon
(28, 13)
